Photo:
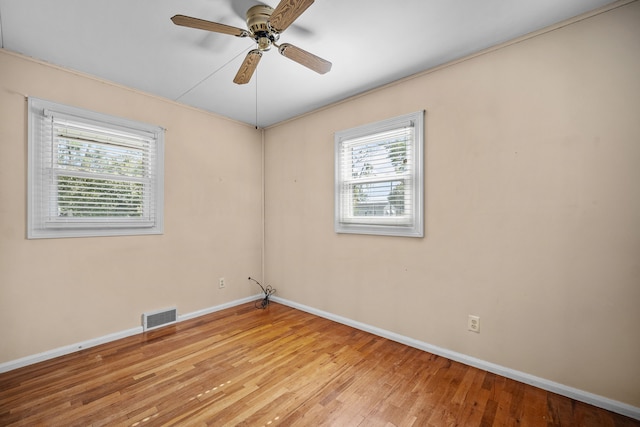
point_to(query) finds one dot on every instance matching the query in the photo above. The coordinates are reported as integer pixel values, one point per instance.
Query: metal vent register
(156, 319)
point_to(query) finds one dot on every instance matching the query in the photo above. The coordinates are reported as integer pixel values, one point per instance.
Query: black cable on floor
(268, 291)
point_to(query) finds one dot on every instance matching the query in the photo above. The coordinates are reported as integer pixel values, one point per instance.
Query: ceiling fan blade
(201, 24)
(248, 67)
(305, 58)
(286, 12)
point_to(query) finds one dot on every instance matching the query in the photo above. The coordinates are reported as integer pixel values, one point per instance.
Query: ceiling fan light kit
(265, 25)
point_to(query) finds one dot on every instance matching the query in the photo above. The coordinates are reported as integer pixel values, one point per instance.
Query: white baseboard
(68, 349)
(554, 387)
(217, 308)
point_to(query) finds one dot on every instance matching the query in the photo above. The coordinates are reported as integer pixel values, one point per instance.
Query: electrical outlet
(473, 323)
(221, 283)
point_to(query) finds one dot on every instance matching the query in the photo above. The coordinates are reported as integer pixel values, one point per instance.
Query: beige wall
(532, 209)
(57, 292)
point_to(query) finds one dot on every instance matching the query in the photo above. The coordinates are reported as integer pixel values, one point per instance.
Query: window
(378, 177)
(91, 174)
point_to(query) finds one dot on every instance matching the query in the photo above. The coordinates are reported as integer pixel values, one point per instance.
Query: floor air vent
(156, 319)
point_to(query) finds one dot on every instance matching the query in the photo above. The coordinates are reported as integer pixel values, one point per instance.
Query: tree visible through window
(92, 174)
(114, 190)
(379, 177)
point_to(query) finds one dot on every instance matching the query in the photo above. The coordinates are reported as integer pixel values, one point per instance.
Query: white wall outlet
(473, 323)
(221, 282)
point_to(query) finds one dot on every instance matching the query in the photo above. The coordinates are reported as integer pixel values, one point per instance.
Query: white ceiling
(370, 43)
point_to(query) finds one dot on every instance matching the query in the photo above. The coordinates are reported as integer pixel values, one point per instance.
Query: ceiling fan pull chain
(256, 99)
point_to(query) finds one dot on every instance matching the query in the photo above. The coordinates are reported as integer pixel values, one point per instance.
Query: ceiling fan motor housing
(258, 23)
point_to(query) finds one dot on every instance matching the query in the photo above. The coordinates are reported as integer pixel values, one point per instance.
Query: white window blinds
(379, 177)
(92, 173)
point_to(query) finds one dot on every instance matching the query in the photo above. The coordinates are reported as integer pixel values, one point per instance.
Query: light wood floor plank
(279, 366)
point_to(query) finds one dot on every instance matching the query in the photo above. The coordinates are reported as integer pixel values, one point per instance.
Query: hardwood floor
(280, 366)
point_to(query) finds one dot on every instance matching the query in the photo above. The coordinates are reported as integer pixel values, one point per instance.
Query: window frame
(410, 226)
(44, 172)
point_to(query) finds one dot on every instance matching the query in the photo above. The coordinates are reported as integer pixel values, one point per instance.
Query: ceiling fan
(265, 25)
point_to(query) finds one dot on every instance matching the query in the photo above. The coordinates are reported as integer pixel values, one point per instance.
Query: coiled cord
(268, 291)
